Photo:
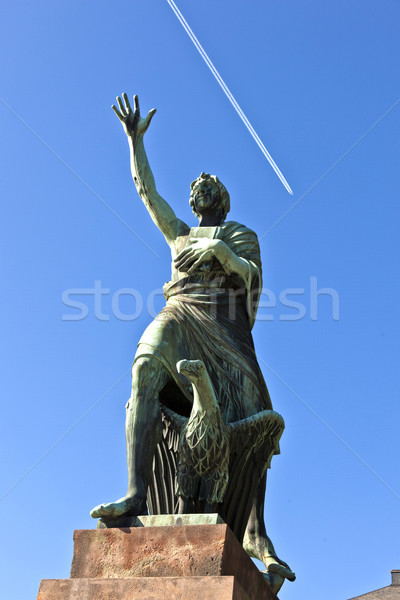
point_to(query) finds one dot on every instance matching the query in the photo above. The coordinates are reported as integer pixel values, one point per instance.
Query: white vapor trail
(228, 93)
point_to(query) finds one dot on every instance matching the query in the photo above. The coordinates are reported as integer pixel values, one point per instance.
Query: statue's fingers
(186, 260)
(115, 109)
(150, 116)
(127, 103)
(121, 106)
(183, 263)
(136, 103)
(194, 265)
(183, 253)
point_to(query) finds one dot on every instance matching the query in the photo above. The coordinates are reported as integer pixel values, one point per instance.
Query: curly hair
(225, 202)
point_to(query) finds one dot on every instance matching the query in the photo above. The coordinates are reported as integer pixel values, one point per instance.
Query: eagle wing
(161, 495)
(260, 433)
(253, 442)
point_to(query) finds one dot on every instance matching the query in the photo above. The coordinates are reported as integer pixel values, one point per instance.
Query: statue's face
(206, 196)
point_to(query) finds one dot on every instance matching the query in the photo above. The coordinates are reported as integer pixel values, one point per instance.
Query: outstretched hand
(131, 120)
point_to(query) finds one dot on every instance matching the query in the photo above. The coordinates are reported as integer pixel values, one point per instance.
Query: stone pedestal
(185, 562)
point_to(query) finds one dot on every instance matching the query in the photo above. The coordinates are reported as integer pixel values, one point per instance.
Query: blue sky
(312, 79)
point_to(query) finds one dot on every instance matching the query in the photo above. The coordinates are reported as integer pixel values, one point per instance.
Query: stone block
(143, 588)
(186, 562)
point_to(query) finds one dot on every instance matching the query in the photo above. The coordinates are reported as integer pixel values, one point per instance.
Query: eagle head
(191, 369)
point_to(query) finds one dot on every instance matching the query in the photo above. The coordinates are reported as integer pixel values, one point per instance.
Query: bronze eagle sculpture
(205, 446)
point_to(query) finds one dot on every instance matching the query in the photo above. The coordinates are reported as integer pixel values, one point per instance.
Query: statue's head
(208, 193)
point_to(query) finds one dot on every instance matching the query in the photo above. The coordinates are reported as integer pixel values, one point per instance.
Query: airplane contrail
(228, 94)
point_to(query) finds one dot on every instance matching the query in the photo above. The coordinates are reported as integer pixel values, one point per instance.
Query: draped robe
(209, 316)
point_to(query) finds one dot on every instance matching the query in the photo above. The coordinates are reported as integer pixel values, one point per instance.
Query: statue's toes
(282, 571)
(103, 510)
(96, 511)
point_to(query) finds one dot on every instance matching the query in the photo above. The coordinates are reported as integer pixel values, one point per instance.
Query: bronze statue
(201, 338)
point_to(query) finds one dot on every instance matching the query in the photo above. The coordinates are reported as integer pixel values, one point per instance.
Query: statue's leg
(258, 545)
(143, 429)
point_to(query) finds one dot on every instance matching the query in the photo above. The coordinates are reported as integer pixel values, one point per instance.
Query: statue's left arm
(239, 254)
(203, 249)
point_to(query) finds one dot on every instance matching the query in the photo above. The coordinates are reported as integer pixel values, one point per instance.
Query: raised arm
(135, 128)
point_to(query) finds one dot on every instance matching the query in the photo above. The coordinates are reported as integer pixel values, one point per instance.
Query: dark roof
(390, 592)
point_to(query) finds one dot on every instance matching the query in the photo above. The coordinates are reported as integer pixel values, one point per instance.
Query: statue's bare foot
(276, 573)
(124, 507)
(278, 567)
(259, 546)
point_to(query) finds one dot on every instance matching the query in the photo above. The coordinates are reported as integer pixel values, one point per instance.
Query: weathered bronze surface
(200, 429)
